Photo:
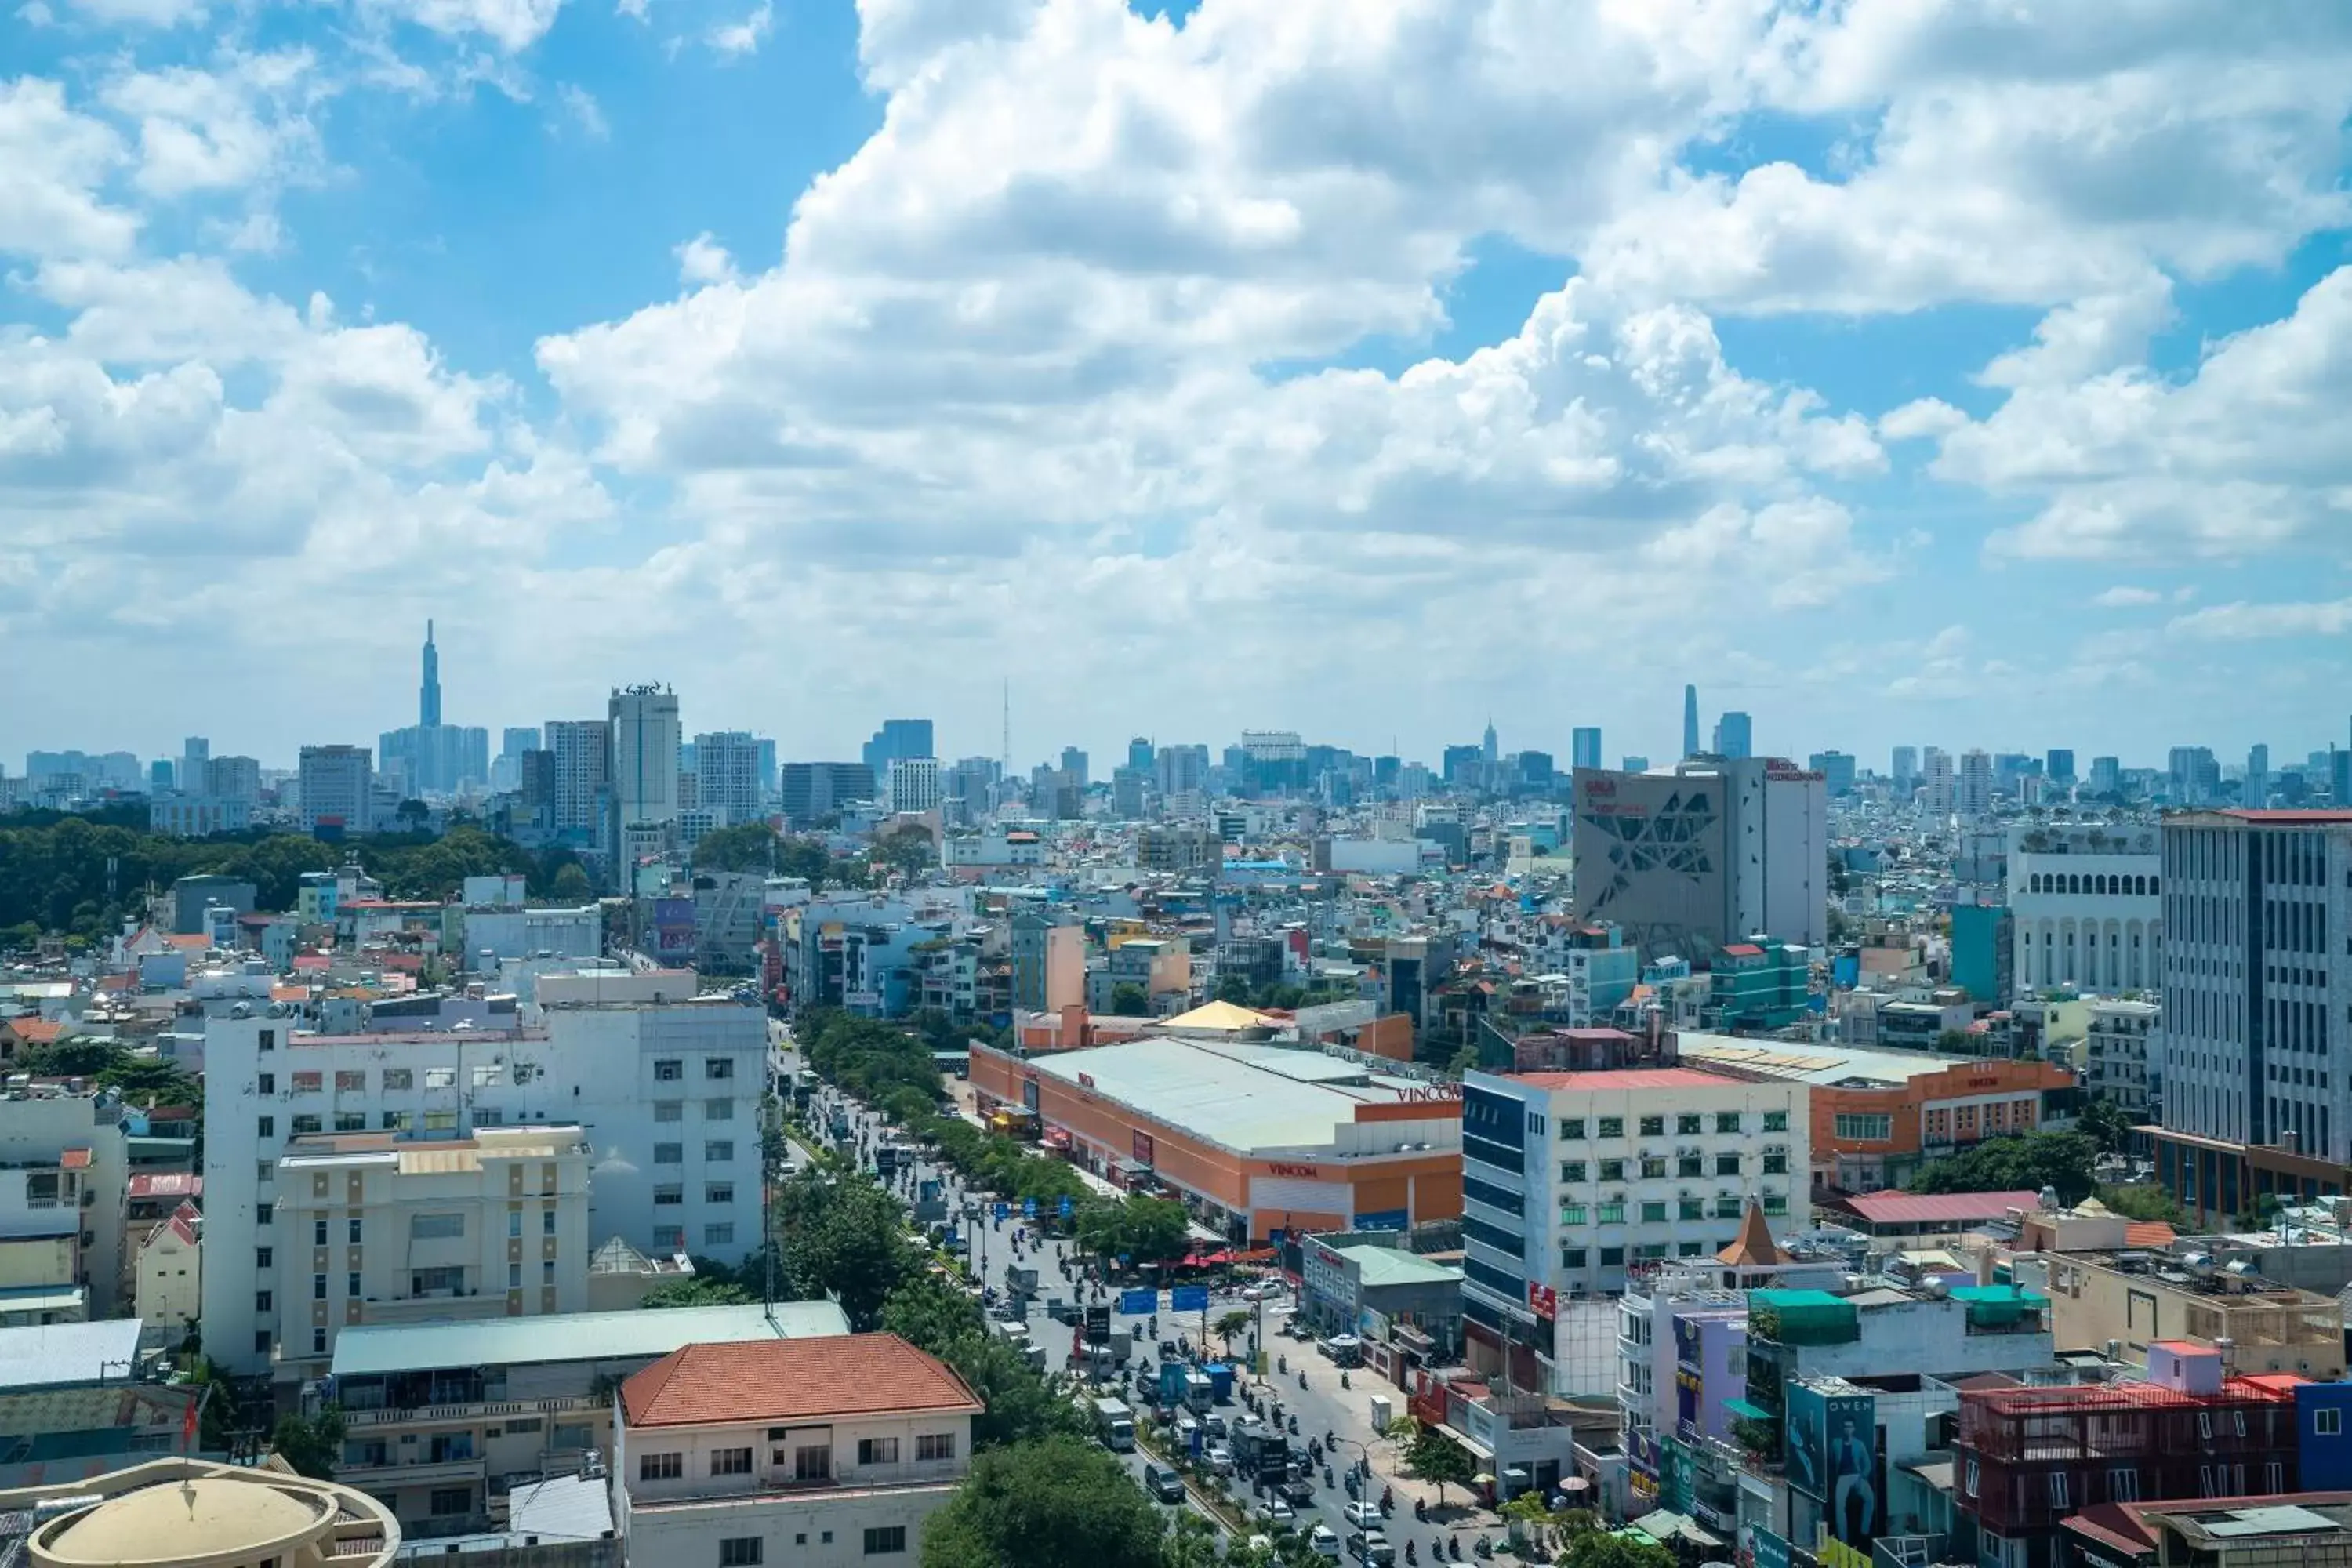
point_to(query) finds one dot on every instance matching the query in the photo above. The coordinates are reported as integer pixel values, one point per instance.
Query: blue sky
(1907, 372)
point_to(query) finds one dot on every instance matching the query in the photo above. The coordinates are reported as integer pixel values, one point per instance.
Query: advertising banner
(1808, 1441)
(1857, 1492)
(1771, 1551)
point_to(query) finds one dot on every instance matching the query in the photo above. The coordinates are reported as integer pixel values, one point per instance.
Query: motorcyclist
(1409, 1554)
(1421, 1508)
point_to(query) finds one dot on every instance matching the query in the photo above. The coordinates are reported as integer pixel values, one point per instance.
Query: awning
(1752, 1412)
(1056, 1138)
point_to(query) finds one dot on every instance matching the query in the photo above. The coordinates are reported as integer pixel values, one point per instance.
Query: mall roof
(1235, 1096)
(573, 1336)
(1822, 1065)
(1621, 1080)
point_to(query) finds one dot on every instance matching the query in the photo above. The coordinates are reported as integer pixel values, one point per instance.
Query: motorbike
(1409, 1554)
(1151, 1328)
(1327, 1476)
(1388, 1499)
(1343, 1380)
(1484, 1549)
(1302, 1380)
(1454, 1545)
(1293, 1425)
(1282, 1364)
(1352, 1488)
(1421, 1509)
(1330, 1440)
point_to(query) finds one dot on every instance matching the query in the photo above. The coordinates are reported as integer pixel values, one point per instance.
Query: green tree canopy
(313, 1445)
(1129, 999)
(847, 1238)
(698, 1291)
(2026, 1163)
(2145, 1204)
(1059, 1503)
(1439, 1459)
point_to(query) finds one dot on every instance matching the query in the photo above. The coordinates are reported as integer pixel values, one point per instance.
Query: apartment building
(662, 1085)
(2087, 907)
(1577, 1184)
(397, 1227)
(823, 1452)
(64, 1174)
(436, 1413)
(2123, 1302)
(2116, 1053)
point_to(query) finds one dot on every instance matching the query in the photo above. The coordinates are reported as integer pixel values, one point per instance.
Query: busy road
(1306, 1386)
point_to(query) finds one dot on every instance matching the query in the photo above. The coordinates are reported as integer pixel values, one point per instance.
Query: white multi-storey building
(913, 784)
(336, 784)
(1973, 793)
(64, 1172)
(1576, 1183)
(2116, 1053)
(1936, 780)
(819, 1452)
(727, 776)
(2086, 906)
(645, 756)
(393, 1228)
(2258, 978)
(664, 1085)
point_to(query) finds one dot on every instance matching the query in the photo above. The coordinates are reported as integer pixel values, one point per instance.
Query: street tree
(1227, 1327)
(845, 1238)
(1439, 1459)
(1059, 1503)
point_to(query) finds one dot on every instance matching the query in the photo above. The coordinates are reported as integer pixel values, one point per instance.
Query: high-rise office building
(898, 738)
(428, 690)
(2059, 765)
(1184, 770)
(229, 778)
(1490, 749)
(2256, 793)
(335, 782)
(1715, 852)
(1074, 767)
(195, 753)
(2192, 776)
(727, 776)
(516, 739)
(812, 791)
(1690, 721)
(645, 756)
(1734, 735)
(1836, 769)
(582, 750)
(767, 750)
(914, 784)
(1138, 754)
(2256, 974)
(1904, 770)
(535, 786)
(1584, 747)
(162, 776)
(2107, 775)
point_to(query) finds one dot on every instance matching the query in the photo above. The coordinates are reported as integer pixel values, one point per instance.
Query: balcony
(417, 1473)
(478, 1411)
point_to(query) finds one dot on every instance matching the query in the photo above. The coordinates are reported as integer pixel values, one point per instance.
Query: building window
(669, 1239)
(668, 1070)
(741, 1550)
(1571, 1169)
(669, 1111)
(932, 1447)
(1572, 1127)
(268, 1039)
(719, 1066)
(266, 1127)
(263, 1213)
(347, 1079)
(400, 1077)
(660, 1466)
(877, 1450)
(267, 1083)
(730, 1461)
(1691, 1165)
(2328, 1422)
(261, 1342)
(813, 1463)
(350, 1121)
(722, 1235)
(669, 1195)
(450, 1501)
(670, 1153)
(1612, 1170)
(1613, 1214)
(1571, 1214)
(318, 1341)
(396, 1121)
(514, 1221)
(885, 1539)
(547, 1222)
(1613, 1257)
(718, 1110)
(1613, 1127)
(263, 1259)
(352, 1281)
(1727, 1208)
(430, 1282)
(719, 1150)
(1693, 1208)
(261, 1302)
(1727, 1122)
(1776, 1164)
(1727, 1165)
(433, 1226)
(318, 1233)
(1653, 1212)
(1775, 1203)
(1690, 1248)
(1862, 1127)
(1654, 1127)
(318, 1287)
(1571, 1256)
(1654, 1167)
(1688, 1124)
(514, 1276)
(719, 1192)
(307, 1122)
(1775, 1122)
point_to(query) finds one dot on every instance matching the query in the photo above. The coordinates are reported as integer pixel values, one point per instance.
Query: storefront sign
(1309, 1172)
(1425, 1092)
(1544, 1300)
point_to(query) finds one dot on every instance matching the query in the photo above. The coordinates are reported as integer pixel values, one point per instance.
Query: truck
(1020, 1279)
(1261, 1453)
(886, 1161)
(1200, 1391)
(1220, 1381)
(1116, 1423)
(930, 1201)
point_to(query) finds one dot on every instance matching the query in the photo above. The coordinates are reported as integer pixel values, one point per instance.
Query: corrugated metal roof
(53, 1354)
(1912, 1208)
(1394, 1265)
(573, 1336)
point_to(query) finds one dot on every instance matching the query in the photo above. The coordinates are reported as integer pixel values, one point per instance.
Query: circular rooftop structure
(182, 1513)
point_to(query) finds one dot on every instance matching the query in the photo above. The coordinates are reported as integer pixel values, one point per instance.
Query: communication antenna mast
(1008, 727)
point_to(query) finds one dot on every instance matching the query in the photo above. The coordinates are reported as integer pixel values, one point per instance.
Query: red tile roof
(36, 1031)
(167, 1185)
(74, 1160)
(2152, 1234)
(1615, 1079)
(1743, 950)
(1909, 1208)
(791, 1380)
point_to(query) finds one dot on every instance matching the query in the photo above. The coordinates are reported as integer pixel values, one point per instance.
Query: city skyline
(662, 354)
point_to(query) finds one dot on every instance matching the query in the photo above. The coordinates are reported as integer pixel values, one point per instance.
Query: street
(1322, 1406)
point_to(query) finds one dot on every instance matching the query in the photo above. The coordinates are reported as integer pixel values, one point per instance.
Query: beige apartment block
(2130, 1301)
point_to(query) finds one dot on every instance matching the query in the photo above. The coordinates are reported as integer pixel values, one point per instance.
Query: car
(1214, 1425)
(1371, 1548)
(1163, 1483)
(1221, 1460)
(1264, 1291)
(1324, 1541)
(1363, 1514)
(1279, 1512)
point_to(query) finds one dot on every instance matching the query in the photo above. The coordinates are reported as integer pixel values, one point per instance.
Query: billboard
(1833, 1448)
(1808, 1441)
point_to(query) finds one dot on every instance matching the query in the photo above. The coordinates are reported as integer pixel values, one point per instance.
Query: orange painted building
(1255, 1138)
(1878, 1116)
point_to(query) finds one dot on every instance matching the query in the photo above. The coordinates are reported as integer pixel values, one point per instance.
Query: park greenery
(79, 876)
(2019, 1162)
(1060, 1502)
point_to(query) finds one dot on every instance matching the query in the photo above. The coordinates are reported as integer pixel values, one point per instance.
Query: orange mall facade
(1359, 1180)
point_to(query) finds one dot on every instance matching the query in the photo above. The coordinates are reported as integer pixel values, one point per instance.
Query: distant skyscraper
(1906, 769)
(2107, 775)
(1836, 769)
(645, 756)
(1690, 721)
(898, 738)
(1138, 754)
(1734, 735)
(1489, 749)
(1935, 777)
(1074, 766)
(334, 783)
(519, 739)
(1584, 747)
(2193, 775)
(2059, 765)
(160, 774)
(2257, 793)
(582, 750)
(428, 691)
(195, 753)
(1973, 791)
(727, 776)
(1634, 765)
(913, 783)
